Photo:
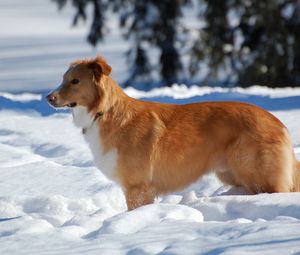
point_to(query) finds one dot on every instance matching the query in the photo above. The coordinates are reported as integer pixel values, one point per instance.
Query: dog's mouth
(71, 105)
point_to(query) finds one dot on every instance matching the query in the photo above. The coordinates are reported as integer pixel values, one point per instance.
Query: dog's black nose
(51, 98)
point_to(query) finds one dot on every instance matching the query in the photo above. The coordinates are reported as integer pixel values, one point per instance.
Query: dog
(153, 148)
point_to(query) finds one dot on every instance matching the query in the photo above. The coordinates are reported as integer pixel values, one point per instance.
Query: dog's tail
(297, 176)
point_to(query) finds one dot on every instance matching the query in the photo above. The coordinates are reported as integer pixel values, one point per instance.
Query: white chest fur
(107, 161)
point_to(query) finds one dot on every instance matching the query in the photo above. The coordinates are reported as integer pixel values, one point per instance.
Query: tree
(257, 41)
(243, 42)
(149, 23)
(97, 29)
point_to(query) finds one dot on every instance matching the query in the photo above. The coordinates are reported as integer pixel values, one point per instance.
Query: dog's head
(81, 85)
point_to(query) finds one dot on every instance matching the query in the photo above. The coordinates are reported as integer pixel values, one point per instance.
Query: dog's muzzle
(52, 99)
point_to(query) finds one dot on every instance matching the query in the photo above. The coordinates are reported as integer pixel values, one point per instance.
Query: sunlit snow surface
(54, 201)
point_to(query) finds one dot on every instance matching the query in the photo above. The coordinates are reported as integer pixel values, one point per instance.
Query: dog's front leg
(139, 195)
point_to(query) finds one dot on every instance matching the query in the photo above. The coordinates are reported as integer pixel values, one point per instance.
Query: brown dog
(152, 148)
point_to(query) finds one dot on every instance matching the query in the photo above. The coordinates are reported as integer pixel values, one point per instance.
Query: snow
(38, 42)
(23, 97)
(182, 91)
(55, 201)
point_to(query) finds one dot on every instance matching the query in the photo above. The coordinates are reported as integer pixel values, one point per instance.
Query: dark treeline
(241, 42)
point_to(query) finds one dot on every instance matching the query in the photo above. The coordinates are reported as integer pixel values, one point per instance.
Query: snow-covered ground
(54, 201)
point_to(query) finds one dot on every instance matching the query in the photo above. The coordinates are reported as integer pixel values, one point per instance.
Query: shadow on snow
(266, 102)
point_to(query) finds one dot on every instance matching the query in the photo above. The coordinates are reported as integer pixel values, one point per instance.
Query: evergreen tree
(97, 30)
(257, 41)
(146, 23)
(152, 23)
(243, 41)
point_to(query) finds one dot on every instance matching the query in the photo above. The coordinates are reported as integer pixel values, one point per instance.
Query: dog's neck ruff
(83, 119)
(105, 160)
(98, 115)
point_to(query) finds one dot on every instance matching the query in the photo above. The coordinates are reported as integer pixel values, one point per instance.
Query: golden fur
(165, 147)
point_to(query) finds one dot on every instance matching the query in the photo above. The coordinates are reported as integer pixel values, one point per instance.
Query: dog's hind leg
(262, 166)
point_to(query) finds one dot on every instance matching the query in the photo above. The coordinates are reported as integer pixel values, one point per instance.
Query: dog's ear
(99, 66)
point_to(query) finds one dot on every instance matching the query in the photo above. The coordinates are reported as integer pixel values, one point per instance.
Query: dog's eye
(75, 81)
